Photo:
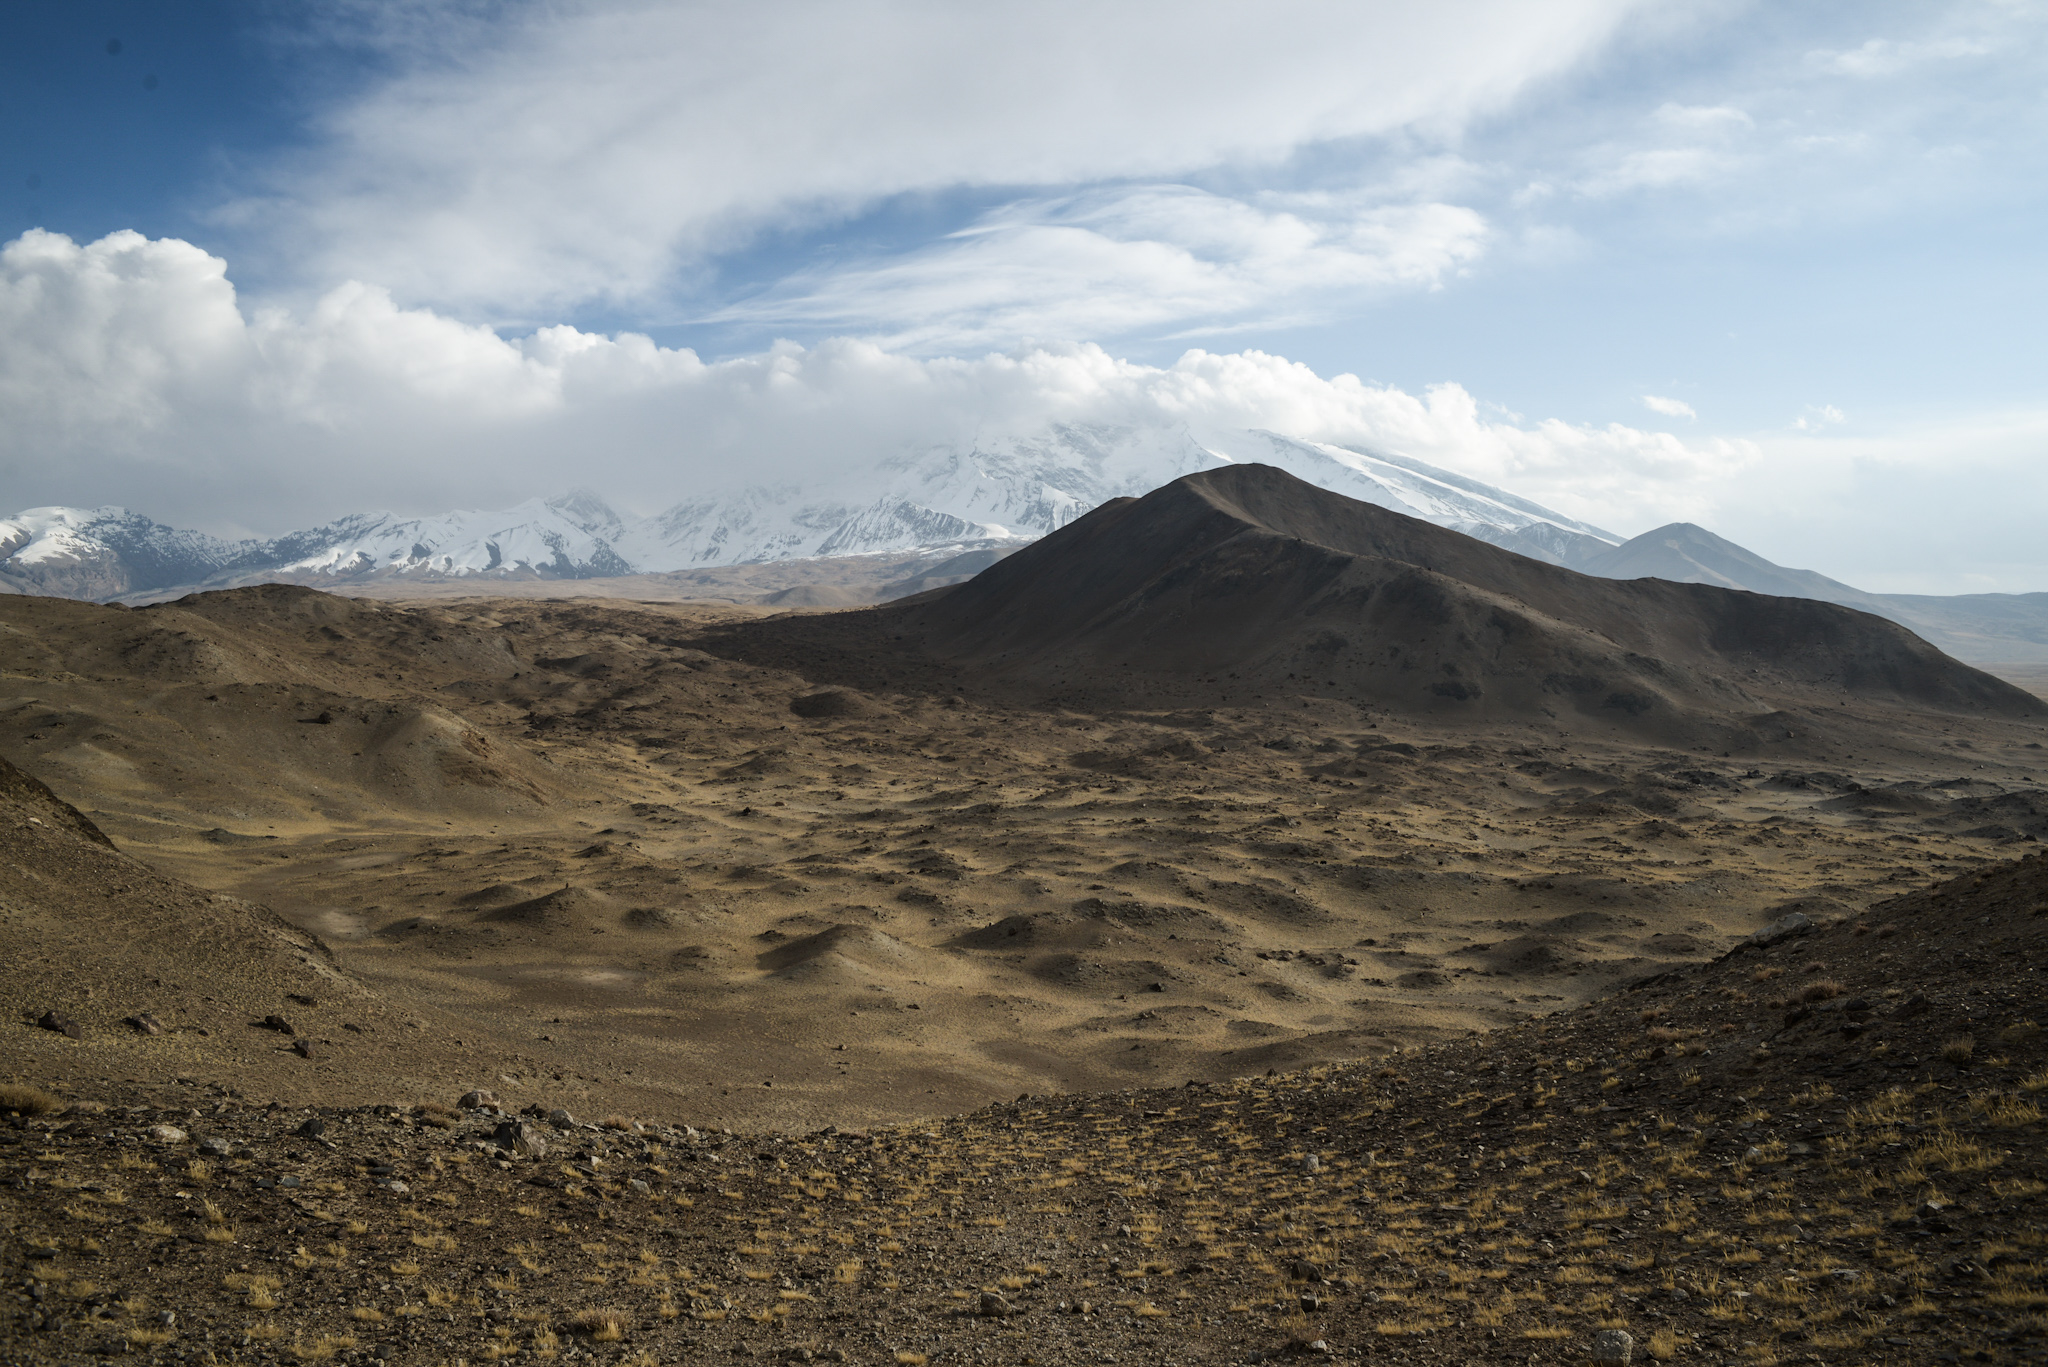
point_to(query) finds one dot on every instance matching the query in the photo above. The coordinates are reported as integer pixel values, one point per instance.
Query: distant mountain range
(1009, 490)
(983, 501)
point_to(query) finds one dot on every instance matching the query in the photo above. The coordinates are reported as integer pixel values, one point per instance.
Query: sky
(1776, 269)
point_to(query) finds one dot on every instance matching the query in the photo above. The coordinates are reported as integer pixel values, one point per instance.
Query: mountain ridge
(1246, 587)
(1007, 489)
(987, 498)
(1251, 573)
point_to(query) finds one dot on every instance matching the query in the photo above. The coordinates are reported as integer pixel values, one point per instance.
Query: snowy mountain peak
(587, 509)
(1001, 488)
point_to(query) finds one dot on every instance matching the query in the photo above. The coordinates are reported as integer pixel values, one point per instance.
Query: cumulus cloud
(1147, 258)
(532, 159)
(131, 373)
(1670, 408)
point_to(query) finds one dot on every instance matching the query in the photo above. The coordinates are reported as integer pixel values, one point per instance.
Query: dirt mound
(831, 702)
(566, 908)
(843, 951)
(494, 895)
(1244, 581)
(1037, 930)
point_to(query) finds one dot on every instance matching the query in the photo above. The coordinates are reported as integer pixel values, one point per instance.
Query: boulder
(1613, 1348)
(521, 1137)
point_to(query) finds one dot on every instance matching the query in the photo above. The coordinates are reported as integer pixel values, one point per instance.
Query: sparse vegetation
(24, 1098)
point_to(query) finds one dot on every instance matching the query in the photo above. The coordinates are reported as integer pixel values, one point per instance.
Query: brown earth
(1824, 1146)
(564, 850)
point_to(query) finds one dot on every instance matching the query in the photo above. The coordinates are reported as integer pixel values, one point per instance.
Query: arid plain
(1244, 923)
(563, 850)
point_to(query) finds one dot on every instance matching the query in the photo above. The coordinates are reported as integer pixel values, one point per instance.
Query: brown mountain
(1246, 581)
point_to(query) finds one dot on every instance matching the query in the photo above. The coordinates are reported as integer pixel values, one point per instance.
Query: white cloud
(1149, 258)
(1945, 504)
(1670, 408)
(130, 373)
(1819, 416)
(1658, 168)
(1886, 57)
(551, 155)
(1701, 116)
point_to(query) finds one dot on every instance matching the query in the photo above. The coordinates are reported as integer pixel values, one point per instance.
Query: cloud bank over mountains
(488, 251)
(130, 365)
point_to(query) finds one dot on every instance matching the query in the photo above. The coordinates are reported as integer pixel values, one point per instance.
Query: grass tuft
(25, 1098)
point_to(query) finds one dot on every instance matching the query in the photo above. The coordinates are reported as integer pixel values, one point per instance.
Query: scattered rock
(167, 1134)
(303, 1048)
(61, 1024)
(143, 1023)
(478, 1100)
(561, 1119)
(993, 1305)
(521, 1137)
(213, 1146)
(313, 1128)
(277, 1023)
(1613, 1348)
(1312, 1165)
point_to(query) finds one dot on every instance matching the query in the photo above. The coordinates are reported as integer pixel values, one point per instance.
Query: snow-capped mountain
(565, 538)
(100, 553)
(1026, 486)
(1005, 489)
(106, 553)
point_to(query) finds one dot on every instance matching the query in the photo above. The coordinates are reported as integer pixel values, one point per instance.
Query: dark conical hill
(1246, 579)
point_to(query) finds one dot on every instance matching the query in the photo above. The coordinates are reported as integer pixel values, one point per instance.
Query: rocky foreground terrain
(1823, 1146)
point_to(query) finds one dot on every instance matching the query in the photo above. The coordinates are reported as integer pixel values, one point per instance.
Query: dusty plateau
(998, 966)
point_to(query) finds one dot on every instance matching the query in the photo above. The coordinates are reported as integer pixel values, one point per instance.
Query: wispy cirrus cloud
(1151, 258)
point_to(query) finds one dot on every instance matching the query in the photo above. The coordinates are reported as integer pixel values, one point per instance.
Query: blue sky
(1777, 269)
